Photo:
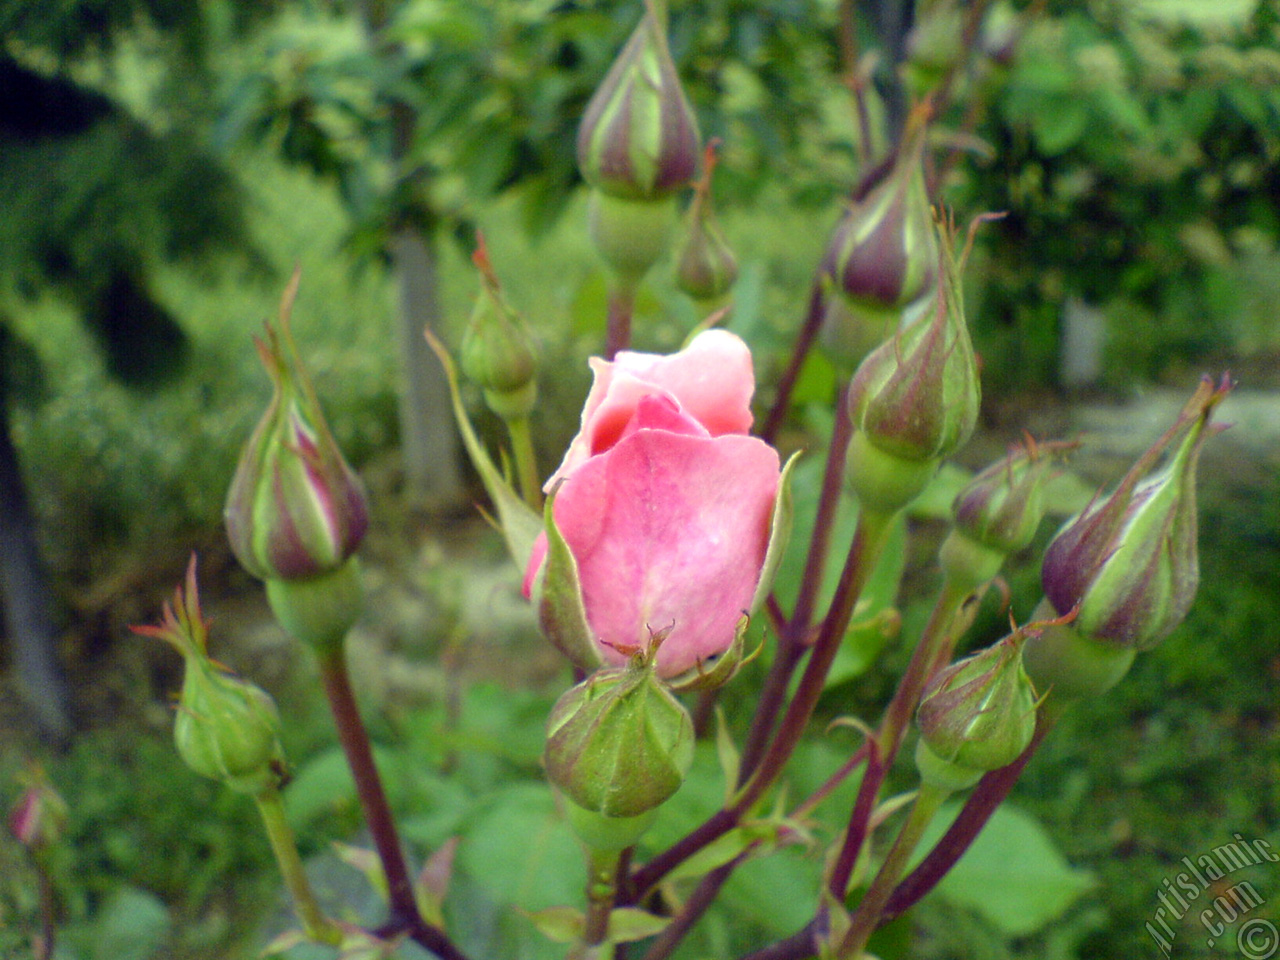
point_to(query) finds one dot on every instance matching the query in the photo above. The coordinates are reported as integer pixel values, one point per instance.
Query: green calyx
(319, 611)
(980, 712)
(228, 729)
(630, 235)
(883, 481)
(618, 743)
(1063, 661)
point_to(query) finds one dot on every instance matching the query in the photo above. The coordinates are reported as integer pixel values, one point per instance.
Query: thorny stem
(804, 342)
(316, 925)
(849, 66)
(377, 812)
(986, 796)
(868, 541)
(859, 824)
(526, 461)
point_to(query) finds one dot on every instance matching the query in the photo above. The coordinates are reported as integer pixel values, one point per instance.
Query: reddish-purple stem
(404, 916)
(804, 342)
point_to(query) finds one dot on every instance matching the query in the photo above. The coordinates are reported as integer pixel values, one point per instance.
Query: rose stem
(317, 926)
(926, 804)
(377, 812)
(935, 641)
(791, 640)
(804, 341)
(602, 886)
(704, 894)
(987, 795)
(622, 299)
(526, 461)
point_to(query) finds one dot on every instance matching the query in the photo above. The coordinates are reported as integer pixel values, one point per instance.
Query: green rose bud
(497, 351)
(226, 728)
(619, 744)
(998, 512)
(883, 254)
(980, 712)
(639, 137)
(295, 509)
(914, 400)
(1128, 565)
(705, 266)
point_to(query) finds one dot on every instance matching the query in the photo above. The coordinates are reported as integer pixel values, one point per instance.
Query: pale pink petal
(669, 530)
(712, 379)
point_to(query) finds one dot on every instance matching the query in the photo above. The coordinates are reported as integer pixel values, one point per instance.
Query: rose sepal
(724, 668)
(779, 534)
(519, 523)
(557, 596)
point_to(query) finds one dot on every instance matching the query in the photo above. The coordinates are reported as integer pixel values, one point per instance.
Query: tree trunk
(25, 593)
(427, 435)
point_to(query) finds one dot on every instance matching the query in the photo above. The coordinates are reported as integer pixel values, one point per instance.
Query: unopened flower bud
(619, 744)
(883, 254)
(705, 266)
(980, 712)
(1128, 565)
(226, 728)
(998, 512)
(295, 509)
(39, 817)
(914, 400)
(497, 351)
(639, 137)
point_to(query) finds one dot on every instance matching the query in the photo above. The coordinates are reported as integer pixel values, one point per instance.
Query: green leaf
(559, 924)
(628, 924)
(521, 852)
(1013, 874)
(132, 925)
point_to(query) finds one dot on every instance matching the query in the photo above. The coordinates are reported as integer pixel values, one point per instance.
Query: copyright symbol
(1257, 939)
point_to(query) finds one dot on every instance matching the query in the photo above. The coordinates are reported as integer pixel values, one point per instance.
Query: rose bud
(998, 512)
(663, 511)
(497, 351)
(226, 728)
(914, 400)
(883, 254)
(1127, 567)
(296, 511)
(977, 714)
(705, 266)
(39, 816)
(638, 144)
(639, 138)
(619, 744)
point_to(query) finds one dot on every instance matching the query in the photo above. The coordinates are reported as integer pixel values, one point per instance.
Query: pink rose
(666, 503)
